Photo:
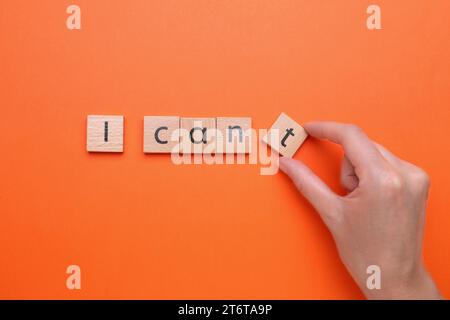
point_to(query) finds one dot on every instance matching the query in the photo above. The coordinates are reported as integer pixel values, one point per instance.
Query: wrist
(418, 286)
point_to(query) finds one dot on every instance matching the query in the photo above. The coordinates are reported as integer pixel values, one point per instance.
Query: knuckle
(353, 128)
(299, 185)
(391, 181)
(420, 181)
(334, 216)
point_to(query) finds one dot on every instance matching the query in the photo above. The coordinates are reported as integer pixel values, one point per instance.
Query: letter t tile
(285, 136)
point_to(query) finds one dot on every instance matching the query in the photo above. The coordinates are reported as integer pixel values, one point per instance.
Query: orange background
(141, 227)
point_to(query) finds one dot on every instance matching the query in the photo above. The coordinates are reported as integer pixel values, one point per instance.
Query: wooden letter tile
(161, 134)
(105, 133)
(285, 136)
(234, 135)
(198, 135)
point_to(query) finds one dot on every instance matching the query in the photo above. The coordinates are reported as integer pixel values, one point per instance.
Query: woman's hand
(380, 221)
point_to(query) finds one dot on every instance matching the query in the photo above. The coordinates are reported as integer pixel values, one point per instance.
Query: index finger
(358, 148)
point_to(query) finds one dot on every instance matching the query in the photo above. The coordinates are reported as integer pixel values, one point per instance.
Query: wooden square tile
(161, 134)
(234, 135)
(104, 133)
(285, 136)
(197, 135)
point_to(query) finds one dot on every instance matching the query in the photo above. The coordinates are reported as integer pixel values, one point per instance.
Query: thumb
(325, 201)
